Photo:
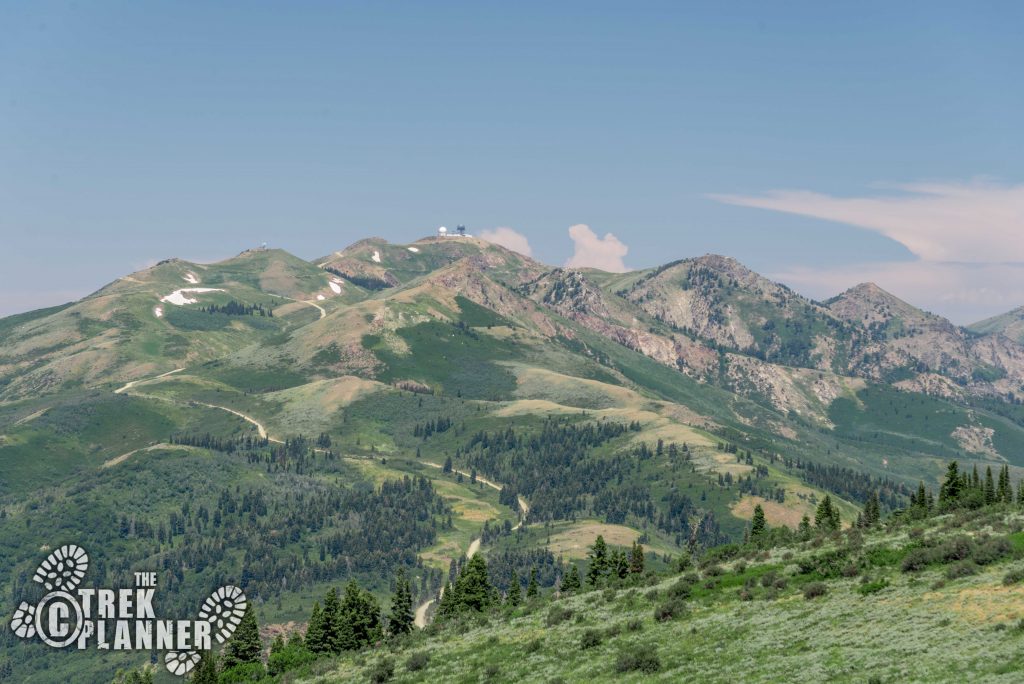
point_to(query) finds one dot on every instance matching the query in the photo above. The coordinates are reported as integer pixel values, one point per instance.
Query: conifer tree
(400, 621)
(331, 621)
(206, 670)
(571, 584)
(598, 561)
(472, 590)
(359, 619)
(532, 589)
(990, 487)
(315, 636)
(805, 527)
(827, 516)
(619, 564)
(1004, 491)
(949, 492)
(515, 592)
(872, 511)
(636, 559)
(244, 645)
(758, 526)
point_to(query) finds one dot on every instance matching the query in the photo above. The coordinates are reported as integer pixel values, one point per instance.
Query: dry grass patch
(774, 512)
(575, 541)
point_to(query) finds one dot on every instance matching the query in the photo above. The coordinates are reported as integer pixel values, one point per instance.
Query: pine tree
(472, 590)
(532, 589)
(949, 492)
(872, 511)
(827, 516)
(805, 527)
(620, 564)
(400, 621)
(206, 670)
(316, 638)
(636, 559)
(571, 584)
(359, 619)
(758, 526)
(244, 646)
(598, 561)
(990, 487)
(331, 621)
(1004, 492)
(515, 592)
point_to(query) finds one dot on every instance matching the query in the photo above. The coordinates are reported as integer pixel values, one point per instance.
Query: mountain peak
(870, 303)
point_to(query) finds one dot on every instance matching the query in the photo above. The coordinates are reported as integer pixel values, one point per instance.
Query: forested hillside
(395, 416)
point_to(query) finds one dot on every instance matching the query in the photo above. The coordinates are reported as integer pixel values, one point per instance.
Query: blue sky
(820, 143)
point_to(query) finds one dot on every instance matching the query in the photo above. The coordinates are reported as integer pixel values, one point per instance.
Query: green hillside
(292, 425)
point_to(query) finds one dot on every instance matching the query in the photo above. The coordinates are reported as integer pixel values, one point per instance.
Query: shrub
(814, 590)
(872, 587)
(492, 670)
(609, 595)
(681, 590)
(669, 610)
(780, 583)
(825, 565)
(916, 559)
(638, 659)
(714, 571)
(383, 670)
(746, 595)
(992, 550)
(957, 548)
(417, 661)
(590, 639)
(557, 615)
(635, 625)
(741, 567)
(962, 569)
(768, 578)
(533, 646)
(1014, 576)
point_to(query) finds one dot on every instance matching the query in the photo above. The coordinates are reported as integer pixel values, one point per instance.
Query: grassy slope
(901, 632)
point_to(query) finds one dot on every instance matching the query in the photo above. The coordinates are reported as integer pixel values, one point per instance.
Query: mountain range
(663, 404)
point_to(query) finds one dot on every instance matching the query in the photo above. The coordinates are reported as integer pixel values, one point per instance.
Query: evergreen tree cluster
(961, 490)
(607, 564)
(234, 308)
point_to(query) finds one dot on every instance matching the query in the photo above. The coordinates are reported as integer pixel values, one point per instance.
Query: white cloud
(977, 222)
(591, 251)
(963, 292)
(506, 237)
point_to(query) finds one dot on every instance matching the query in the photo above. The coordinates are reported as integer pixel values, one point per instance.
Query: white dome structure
(442, 231)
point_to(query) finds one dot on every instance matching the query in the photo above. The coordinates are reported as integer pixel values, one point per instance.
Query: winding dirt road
(474, 546)
(323, 312)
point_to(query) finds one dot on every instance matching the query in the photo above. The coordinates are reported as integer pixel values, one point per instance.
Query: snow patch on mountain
(179, 298)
